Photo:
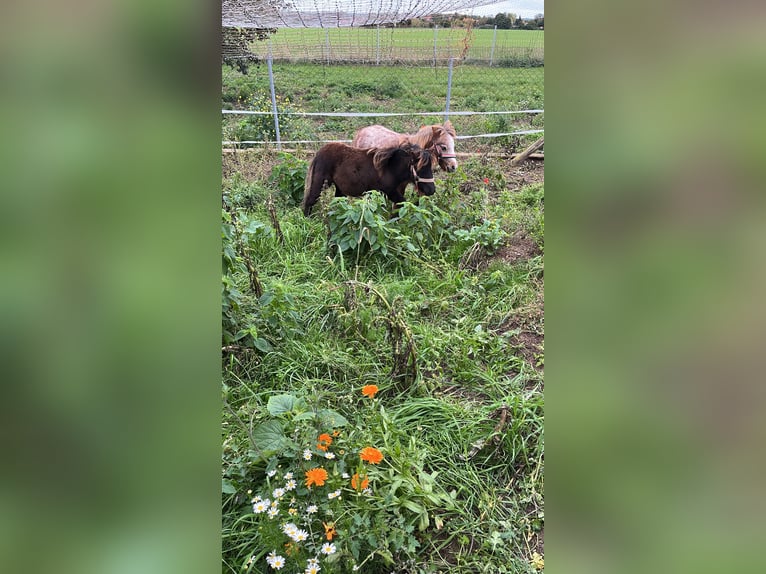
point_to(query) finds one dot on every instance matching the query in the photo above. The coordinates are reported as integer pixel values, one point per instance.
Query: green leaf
(424, 521)
(331, 418)
(308, 415)
(414, 507)
(269, 437)
(227, 487)
(281, 404)
(262, 345)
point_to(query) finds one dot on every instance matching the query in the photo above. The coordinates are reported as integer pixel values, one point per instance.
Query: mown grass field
(446, 323)
(375, 89)
(405, 45)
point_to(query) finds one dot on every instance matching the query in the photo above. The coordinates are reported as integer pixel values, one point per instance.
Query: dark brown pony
(354, 171)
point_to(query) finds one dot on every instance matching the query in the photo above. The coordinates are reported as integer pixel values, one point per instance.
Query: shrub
(289, 175)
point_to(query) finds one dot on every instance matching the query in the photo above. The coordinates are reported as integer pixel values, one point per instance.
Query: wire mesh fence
(388, 45)
(321, 99)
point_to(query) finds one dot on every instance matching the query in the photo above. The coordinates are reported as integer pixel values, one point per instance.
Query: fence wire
(510, 98)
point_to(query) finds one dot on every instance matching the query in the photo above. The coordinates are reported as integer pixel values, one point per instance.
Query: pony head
(440, 140)
(414, 159)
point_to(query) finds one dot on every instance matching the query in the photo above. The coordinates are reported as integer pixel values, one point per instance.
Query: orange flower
(370, 390)
(371, 455)
(325, 440)
(336, 433)
(355, 482)
(329, 530)
(316, 476)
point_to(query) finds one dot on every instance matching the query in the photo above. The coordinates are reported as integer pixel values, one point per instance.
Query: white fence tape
(496, 135)
(375, 114)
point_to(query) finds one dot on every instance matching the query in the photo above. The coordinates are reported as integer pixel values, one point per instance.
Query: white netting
(333, 13)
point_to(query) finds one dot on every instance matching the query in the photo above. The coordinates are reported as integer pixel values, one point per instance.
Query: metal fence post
(449, 89)
(327, 44)
(274, 103)
(492, 51)
(436, 29)
(377, 51)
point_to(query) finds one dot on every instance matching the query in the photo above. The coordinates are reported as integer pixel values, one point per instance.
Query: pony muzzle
(418, 180)
(447, 161)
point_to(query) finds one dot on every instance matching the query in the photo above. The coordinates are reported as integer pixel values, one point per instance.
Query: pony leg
(397, 197)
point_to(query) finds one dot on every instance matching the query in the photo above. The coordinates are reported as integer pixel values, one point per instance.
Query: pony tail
(307, 187)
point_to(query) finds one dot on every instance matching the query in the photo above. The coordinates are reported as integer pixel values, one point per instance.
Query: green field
(403, 44)
(357, 88)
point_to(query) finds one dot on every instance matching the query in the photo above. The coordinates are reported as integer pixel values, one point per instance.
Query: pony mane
(383, 155)
(423, 159)
(426, 136)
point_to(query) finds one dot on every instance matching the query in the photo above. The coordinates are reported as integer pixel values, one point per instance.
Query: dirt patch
(518, 248)
(524, 331)
(527, 173)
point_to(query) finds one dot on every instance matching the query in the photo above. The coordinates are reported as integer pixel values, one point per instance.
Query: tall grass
(471, 421)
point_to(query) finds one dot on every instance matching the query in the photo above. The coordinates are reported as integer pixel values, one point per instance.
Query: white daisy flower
(367, 491)
(290, 485)
(328, 548)
(260, 506)
(312, 562)
(314, 569)
(276, 562)
(290, 529)
(330, 455)
(278, 492)
(271, 473)
(273, 512)
(335, 494)
(288, 476)
(311, 509)
(345, 475)
(307, 454)
(300, 536)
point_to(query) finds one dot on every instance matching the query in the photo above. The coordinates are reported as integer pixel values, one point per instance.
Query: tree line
(503, 20)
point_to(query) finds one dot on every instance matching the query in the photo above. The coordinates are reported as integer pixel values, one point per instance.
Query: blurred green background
(655, 275)
(110, 296)
(110, 287)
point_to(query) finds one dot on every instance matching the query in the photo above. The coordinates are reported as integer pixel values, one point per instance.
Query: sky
(524, 8)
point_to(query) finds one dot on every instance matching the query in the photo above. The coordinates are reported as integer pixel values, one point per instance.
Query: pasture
(375, 89)
(383, 407)
(405, 45)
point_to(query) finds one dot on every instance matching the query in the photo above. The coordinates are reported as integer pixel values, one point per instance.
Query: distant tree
(502, 21)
